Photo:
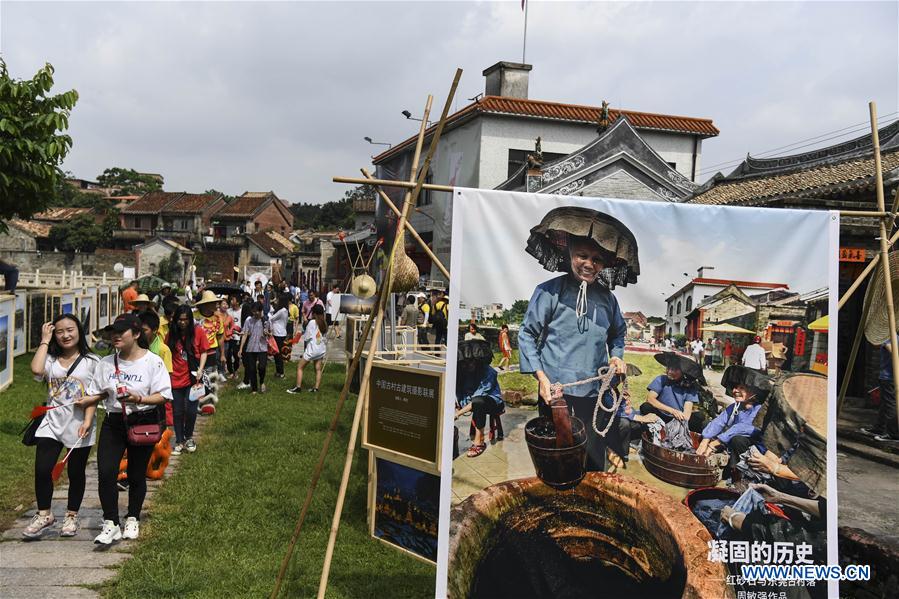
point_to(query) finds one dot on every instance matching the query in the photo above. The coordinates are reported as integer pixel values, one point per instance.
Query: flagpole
(524, 44)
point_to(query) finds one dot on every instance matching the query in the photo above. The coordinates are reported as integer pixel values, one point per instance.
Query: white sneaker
(177, 449)
(190, 446)
(111, 532)
(69, 525)
(243, 386)
(262, 389)
(132, 528)
(38, 524)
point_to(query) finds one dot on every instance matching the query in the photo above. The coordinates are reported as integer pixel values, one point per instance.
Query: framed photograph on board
(404, 507)
(7, 314)
(20, 340)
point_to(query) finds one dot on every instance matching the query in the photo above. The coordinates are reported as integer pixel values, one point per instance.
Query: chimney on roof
(507, 79)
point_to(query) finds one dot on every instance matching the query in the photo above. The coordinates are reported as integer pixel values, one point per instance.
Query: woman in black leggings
(65, 362)
(135, 380)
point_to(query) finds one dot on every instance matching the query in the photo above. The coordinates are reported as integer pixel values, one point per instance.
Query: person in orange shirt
(228, 326)
(128, 297)
(207, 317)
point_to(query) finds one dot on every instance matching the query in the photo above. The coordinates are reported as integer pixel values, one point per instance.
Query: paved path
(866, 495)
(59, 567)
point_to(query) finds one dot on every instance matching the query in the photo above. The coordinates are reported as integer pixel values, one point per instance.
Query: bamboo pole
(388, 183)
(363, 384)
(410, 228)
(884, 249)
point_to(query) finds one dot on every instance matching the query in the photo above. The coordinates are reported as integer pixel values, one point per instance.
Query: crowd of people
(167, 354)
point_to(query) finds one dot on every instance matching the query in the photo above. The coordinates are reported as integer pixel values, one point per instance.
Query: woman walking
(314, 349)
(254, 347)
(505, 346)
(189, 346)
(134, 385)
(65, 362)
(278, 320)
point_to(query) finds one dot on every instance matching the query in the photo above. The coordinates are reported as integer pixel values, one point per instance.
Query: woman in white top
(147, 386)
(64, 360)
(316, 346)
(277, 318)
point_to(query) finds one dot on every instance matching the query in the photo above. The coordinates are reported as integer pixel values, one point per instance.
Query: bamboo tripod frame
(884, 258)
(373, 327)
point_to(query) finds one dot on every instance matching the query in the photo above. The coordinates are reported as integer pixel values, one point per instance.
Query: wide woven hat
(740, 375)
(877, 326)
(363, 286)
(207, 297)
(549, 241)
(683, 363)
(141, 299)
(474, 350)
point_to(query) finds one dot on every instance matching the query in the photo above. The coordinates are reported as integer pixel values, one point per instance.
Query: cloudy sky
(259, 96)
(749, 244)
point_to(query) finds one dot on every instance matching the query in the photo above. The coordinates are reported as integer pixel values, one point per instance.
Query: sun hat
(208, 297)
(474, 350)
(142, 298)
(689, 367)
(741, 375)
(549, 242)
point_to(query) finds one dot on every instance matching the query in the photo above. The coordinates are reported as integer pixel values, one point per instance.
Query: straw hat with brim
(550, 239)
(735, 375)
(124, 322)
(363, 286)
(474, 350)
(690, 368)
(208, 297)
(877, 326)
(142, 299)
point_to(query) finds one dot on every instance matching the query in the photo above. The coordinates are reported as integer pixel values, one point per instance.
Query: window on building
(671, 310)
(672, 165)
(519, 157)
(689, 303)
(678, 307)
(137, 222)
(424, 197)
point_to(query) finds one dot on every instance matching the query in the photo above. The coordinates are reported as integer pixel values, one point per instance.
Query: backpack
(439, 316)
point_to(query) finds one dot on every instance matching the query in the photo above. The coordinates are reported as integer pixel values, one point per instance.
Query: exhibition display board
(7, 316)
(20, 326)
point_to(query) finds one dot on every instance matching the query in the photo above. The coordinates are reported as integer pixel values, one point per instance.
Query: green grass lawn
(17, 472)
(220, 526)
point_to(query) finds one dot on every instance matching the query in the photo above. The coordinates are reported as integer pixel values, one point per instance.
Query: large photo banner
(638, 399)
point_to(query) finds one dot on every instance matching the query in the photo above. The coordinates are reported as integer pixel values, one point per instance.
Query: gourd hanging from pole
(405, 272)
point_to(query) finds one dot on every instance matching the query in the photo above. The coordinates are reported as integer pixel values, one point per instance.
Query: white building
(682, 301)
(488, 141)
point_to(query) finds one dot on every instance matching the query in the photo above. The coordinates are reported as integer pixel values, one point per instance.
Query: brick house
(184, 217)
(252, 212)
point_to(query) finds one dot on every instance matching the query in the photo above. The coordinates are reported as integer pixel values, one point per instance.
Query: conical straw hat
(548, 243)
(363, 286)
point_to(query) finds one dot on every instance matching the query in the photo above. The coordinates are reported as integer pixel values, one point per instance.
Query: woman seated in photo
(733, 429)
(477, 389)
(675, 394)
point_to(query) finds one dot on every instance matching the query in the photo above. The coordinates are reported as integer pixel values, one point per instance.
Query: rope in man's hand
(605, 376)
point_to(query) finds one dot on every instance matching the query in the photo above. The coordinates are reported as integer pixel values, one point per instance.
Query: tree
(32, 142)
(331, 215)
(515, 314)
(128, 182)
(82, 234)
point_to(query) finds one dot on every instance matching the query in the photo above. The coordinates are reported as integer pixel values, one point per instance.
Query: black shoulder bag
(28, 433)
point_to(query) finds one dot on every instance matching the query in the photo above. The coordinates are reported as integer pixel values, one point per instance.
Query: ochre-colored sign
(404, 412)
(852, 254)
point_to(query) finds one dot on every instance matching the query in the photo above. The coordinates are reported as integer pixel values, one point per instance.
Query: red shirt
(128, 296)
(180, 368)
